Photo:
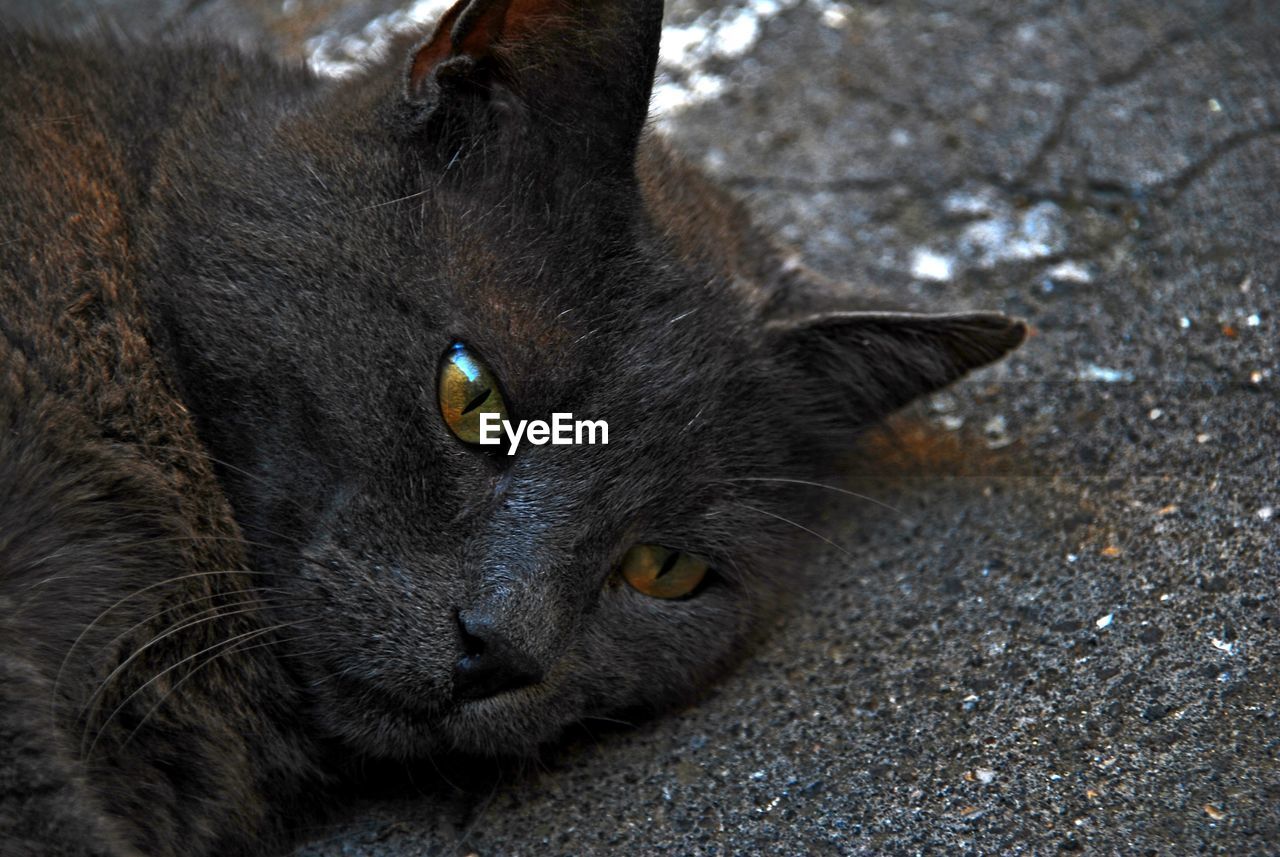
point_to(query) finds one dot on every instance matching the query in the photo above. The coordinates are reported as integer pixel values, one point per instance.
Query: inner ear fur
(475, 31)
(582, 69)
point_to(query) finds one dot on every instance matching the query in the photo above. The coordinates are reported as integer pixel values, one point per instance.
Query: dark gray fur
(235, 534)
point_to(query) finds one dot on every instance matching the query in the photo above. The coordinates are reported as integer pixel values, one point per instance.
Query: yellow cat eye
(661, 572)
(467, 389)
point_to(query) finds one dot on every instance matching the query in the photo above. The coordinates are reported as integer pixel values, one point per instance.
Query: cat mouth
(497, 701)
(432, 706)
(511, 723)
(404, 717)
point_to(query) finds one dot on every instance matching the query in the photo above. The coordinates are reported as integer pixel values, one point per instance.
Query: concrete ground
(1066, 633)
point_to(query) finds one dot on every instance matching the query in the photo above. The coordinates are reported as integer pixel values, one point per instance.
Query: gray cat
(250, 324)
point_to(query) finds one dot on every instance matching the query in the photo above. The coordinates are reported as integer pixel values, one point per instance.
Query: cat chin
(511, 724)
(497, 727)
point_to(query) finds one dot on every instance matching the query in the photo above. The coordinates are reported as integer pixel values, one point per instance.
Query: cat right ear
(866, 364)
(580, 71)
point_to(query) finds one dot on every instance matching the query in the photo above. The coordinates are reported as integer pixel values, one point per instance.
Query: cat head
(477, 210)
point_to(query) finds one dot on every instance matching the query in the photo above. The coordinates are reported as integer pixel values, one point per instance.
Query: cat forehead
(555, 287)
(639, 375)
(559, 310)
(619, 349)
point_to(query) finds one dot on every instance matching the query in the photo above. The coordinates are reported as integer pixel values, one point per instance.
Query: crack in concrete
(1172, 188)
(1143, 63)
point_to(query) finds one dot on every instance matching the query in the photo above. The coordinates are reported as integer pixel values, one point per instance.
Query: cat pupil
(669, 564)
(477, 401)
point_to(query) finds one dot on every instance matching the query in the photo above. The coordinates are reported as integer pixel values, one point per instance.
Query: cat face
(435, 594)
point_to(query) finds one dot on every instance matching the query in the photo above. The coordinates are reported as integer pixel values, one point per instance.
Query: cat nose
(490, 663)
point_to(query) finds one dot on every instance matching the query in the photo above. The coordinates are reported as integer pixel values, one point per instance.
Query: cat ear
(872, 363)
(580, 67)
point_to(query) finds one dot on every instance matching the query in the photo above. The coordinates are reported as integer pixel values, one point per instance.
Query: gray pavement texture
(1065, 634)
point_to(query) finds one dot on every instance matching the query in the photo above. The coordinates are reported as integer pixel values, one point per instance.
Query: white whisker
(835, 488)
(797, 526)
(257, 632)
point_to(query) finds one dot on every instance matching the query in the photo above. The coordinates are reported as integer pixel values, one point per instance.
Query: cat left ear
(872, 363)
(580, 67)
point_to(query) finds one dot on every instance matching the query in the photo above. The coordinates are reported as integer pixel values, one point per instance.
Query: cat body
(238, 545)
(106, 491)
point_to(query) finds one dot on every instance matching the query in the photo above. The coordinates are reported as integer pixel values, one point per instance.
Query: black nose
(489, 664)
